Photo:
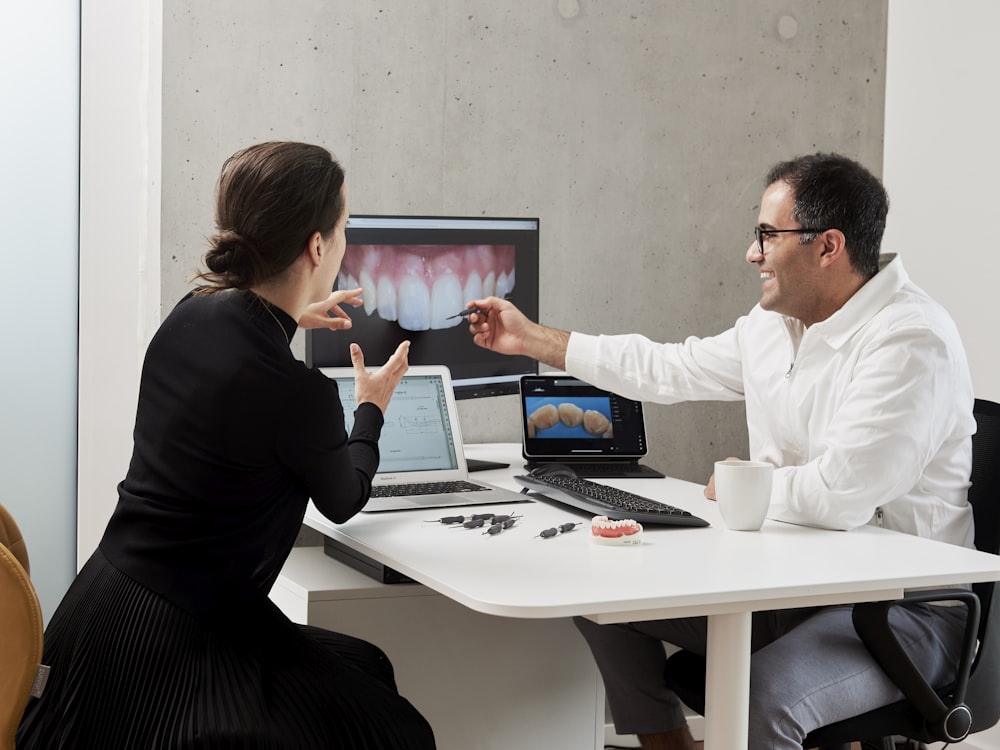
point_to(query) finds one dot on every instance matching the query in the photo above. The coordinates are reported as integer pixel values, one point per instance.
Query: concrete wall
(637, 131)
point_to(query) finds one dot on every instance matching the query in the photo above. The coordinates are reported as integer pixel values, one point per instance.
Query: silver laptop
(422, 460)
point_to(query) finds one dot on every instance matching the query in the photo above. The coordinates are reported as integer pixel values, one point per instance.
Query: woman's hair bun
(231, 259)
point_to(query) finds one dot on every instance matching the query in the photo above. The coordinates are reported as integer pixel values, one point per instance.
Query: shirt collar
(865, 303)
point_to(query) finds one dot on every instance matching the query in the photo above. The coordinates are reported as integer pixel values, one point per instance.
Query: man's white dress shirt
(867, 415)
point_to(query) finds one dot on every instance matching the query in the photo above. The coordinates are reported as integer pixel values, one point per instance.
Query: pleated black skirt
(131, 670)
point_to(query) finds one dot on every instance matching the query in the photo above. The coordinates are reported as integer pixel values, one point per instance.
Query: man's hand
(710, 487)
(377, 387)
(501, 327)
(328, 313)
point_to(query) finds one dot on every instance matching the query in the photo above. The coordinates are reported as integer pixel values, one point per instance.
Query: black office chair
(928, 714)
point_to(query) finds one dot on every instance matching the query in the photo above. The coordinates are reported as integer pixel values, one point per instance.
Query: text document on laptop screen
(417, 434)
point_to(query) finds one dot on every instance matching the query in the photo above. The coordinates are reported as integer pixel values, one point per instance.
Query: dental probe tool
(467, 312)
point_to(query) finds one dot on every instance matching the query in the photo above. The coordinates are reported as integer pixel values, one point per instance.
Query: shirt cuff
(581, 356)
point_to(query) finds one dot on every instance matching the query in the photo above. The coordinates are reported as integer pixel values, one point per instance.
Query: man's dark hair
(834, 192)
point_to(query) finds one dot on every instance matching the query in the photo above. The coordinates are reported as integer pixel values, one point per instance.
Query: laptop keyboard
(607, 501)
(427, 488)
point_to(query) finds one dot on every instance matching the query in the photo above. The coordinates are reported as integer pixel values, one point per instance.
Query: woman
(167, 638)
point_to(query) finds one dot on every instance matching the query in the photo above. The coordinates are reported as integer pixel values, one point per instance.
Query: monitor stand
(477, 464)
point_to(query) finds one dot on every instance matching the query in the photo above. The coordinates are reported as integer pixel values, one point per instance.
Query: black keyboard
(427, 488)
(607, 501)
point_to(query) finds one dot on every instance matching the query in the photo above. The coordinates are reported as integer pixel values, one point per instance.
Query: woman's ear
(314, 248)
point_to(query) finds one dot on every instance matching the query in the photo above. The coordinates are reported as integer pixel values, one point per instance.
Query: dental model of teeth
(421, 286)
(624, 533)
(548, 416)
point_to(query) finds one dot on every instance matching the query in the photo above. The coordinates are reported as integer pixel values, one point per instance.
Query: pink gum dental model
(624, 533)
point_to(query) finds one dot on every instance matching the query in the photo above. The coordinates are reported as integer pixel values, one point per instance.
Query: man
(857, 389)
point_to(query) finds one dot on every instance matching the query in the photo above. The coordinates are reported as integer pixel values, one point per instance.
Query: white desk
(676, 572)
(483, 682)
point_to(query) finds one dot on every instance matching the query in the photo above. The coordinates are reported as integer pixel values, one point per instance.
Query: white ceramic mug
(743, 491)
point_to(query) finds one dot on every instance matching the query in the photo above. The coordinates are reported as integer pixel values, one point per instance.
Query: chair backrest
(984, 495)
(21, 630)
(10, 537)
(986, 475)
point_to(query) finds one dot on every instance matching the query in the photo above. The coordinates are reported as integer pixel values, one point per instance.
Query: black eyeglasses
(761, 233)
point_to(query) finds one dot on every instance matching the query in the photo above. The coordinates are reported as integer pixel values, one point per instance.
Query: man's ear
(834, 246)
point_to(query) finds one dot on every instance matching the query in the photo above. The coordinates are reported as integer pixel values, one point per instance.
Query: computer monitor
(417, 273)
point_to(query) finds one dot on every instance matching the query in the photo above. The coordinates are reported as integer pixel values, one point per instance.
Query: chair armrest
(948, 723)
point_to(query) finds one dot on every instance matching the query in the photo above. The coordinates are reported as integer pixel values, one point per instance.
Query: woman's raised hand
(328, 313)
(377, 387)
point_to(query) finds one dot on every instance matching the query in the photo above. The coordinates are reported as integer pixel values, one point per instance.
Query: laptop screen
(563, 417)
(417, 434)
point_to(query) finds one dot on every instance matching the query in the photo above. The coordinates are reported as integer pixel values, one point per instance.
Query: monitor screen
(417, 272)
